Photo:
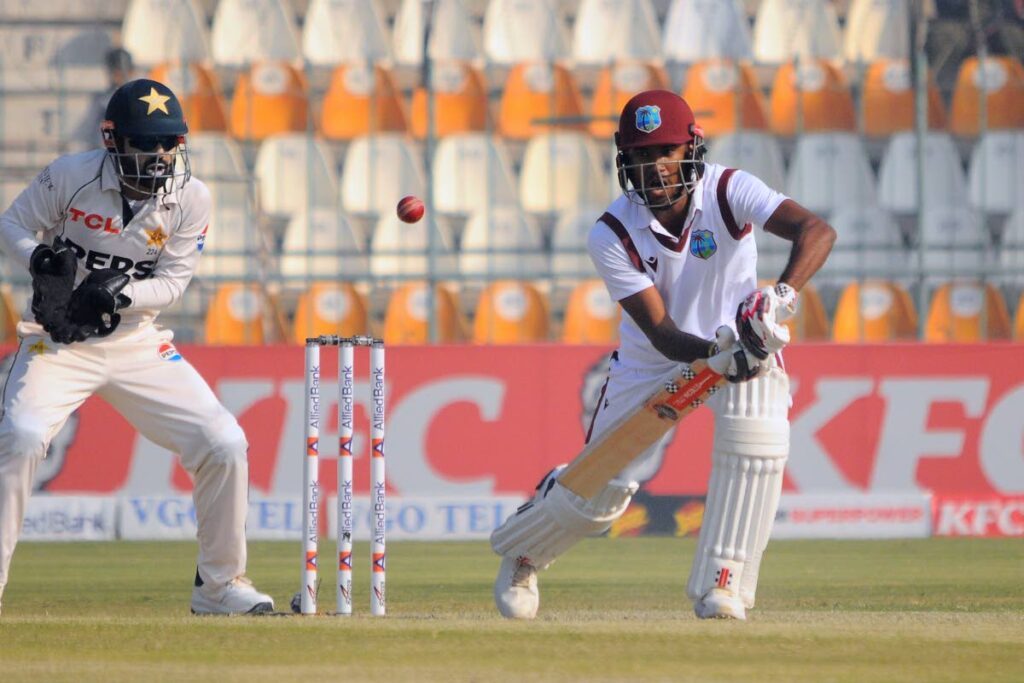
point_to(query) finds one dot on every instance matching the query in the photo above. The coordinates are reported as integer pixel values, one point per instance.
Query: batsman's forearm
(677, 345)
(810, 250)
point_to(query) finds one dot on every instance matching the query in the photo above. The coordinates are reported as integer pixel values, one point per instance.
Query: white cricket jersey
(702, 276)
(78, 196)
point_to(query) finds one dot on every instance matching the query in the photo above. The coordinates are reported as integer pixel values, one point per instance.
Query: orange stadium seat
(616, 83)
(200, 94)
(362, 100)
(405, 321)
(591, 317)
(8, 317)
(887, 102)
(874, 311)
(967, 312)
(1003, 81)
(1018, 328)
(812, 95)
(713, 88)
(460, 101)
(330, 308)
(235, 315)
(536, 90)
(269, 98)
(510, 312)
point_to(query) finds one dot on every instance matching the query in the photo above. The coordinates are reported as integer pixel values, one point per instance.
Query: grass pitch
(611, 610)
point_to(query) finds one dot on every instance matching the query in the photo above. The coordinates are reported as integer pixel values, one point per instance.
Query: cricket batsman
(111, 237)
(677, 252)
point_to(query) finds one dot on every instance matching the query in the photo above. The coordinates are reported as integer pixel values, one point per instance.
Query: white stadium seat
(830, 171)
(569, 256)
(472, 171)
(944, 181)
(322, 244)
(345, 32)
(246, 31)
(955, 242)
(868, 242)
(561, 171)
(233, 246)
(615, 30)
(785, 29)
(401, 250)
(453, 34)
(79, 11)
(378, 171)
(697, 30)
(996, 172)
(294, 172)
(877, 29)
(522, 31)
(182, 34)
(755, 152)
(1011, 252)
(502, 241)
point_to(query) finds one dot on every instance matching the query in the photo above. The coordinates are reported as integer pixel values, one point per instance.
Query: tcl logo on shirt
(94, 221)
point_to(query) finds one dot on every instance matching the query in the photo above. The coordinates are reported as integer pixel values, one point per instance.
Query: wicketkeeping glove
(53, 279)
(95, 303)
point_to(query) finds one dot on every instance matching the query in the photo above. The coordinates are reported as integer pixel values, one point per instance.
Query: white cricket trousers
(161, 395)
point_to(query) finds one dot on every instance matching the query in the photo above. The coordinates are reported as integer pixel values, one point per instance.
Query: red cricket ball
(410, 209)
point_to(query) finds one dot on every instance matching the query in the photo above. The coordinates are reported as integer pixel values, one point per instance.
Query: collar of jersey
(696, 208)
(110, 181)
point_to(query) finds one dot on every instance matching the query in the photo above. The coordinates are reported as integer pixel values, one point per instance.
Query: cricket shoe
(239, 596)
(718, 603)
(515, 589)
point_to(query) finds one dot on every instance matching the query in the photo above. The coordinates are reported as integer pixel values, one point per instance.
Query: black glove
(94, 305)
(53, 279)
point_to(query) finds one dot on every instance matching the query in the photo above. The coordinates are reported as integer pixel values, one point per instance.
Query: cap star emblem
(38, 347)
(155, 238)
(156, 102)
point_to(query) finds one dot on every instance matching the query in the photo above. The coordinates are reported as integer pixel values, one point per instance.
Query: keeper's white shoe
(239, 596)
(720, 604)
(515, 589)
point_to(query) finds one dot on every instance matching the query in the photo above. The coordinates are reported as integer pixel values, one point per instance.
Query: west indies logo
(702, 244)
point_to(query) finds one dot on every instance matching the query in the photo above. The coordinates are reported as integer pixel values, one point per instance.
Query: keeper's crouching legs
(750, 450)
(553, 521)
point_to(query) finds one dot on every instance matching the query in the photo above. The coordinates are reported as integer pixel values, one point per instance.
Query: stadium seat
(330, 308)
(453, 34)
(561, 171)
(591, 317)
(887, 99)
(874, 311)
(460, 101)
(270, 98)
(235, 315)
(378, 171)
(78, 11)
(996, 172)
(1002, 79)
(511, 312)
(967, 311)
(753, 151)
(810, 322)
(784, 29)
(877, 29)
(1018, 328)
(616, 83)
(247, 31)
(362, 100)
(345, 32)
(955, 242)
(165, 31)
(726, 96)
(523, 31)
(1011, 252)
(868, 244)
(944, 180)
(570, 259)
(808, 96)
(538, 91)
(319, 244)
(400, 251)
(502, 241)
(696, 30)
(829, 171)
(772, 253)
(198, 91)
(608, 32)
(9, 316)
(472, 171)
(294, 171)
(233, 246)
(406, 318)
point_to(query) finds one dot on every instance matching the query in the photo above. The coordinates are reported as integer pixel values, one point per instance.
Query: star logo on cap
(155, 238)
(156, 102)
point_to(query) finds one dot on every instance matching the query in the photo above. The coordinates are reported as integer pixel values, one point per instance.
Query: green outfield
(611, 610)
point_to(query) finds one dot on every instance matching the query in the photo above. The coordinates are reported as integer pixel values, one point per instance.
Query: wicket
(311, 466)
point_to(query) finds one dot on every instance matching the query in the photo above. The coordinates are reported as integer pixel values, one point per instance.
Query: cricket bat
(635, 432)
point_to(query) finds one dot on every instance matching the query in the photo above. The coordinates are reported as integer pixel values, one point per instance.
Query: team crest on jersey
(702, 244)
(201, 240)
(168, 352)
(648, 118)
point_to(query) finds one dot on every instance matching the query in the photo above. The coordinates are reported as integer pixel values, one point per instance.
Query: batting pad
(556, 519)
(750, 450)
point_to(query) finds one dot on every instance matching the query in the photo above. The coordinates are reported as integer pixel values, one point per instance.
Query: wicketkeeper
(677, 251)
